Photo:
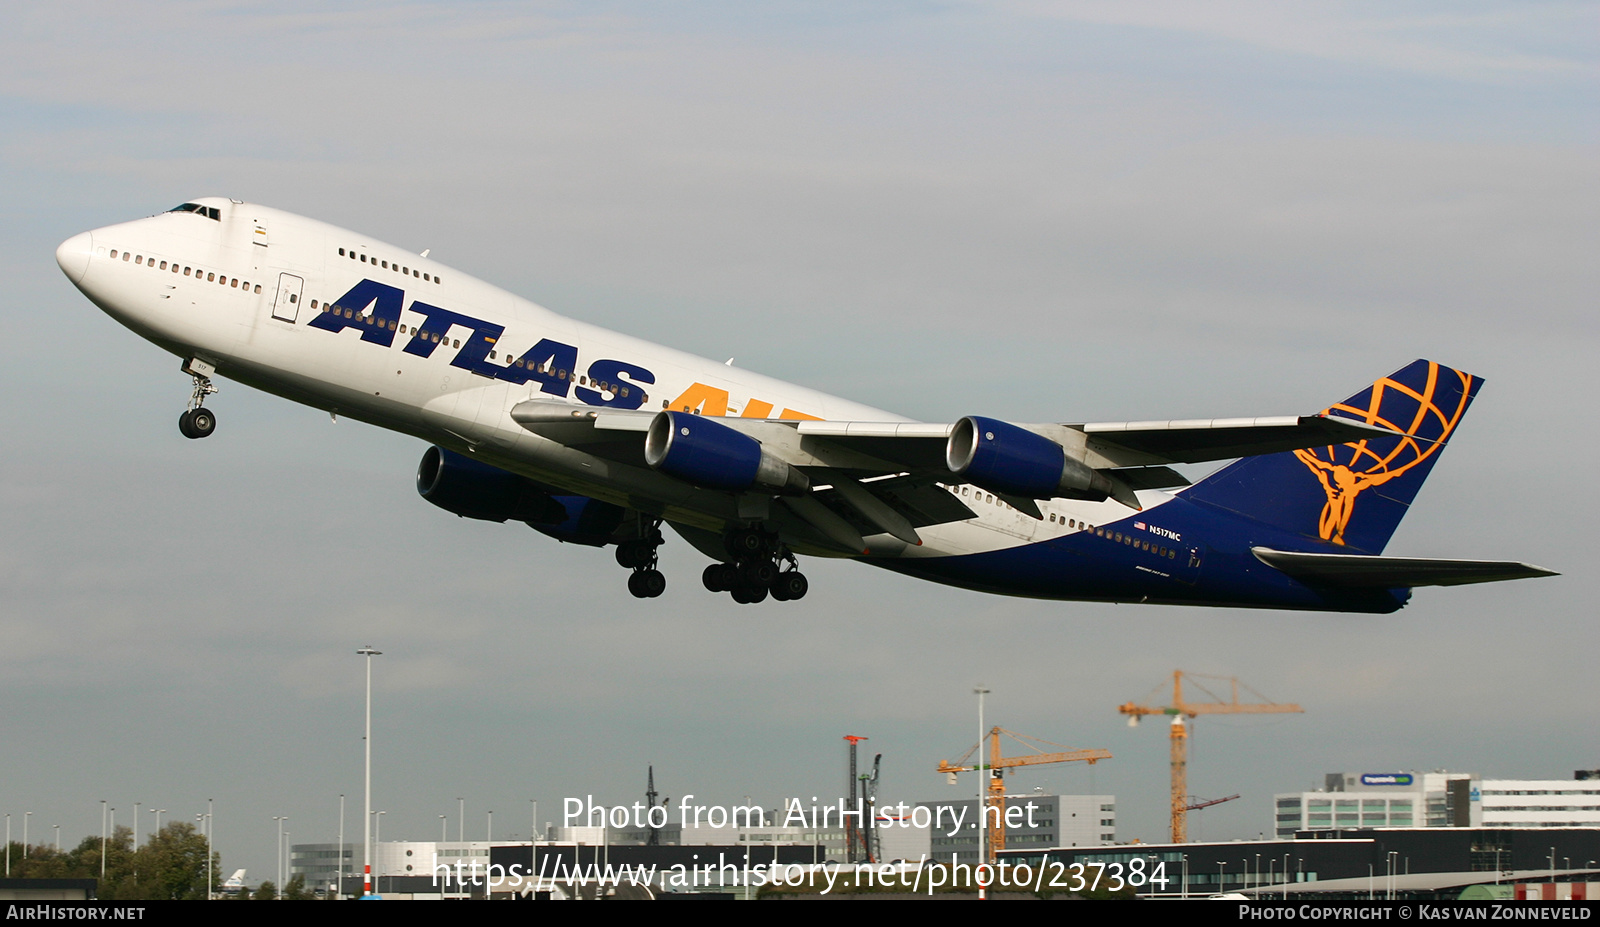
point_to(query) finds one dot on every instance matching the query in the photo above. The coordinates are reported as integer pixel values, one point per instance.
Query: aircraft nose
(73, 256)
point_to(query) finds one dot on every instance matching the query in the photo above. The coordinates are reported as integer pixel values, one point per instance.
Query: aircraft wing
(1113, 445)
(1092, 461)
(1359, 570)
(1201, 440)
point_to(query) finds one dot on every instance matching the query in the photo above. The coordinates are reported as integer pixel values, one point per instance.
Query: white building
(1437, 799)
(1539, 803)
(1051, 821)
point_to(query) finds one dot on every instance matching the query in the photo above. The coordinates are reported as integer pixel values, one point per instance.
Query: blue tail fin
(1352, 495)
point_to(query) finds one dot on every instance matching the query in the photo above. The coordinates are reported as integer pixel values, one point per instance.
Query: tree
(296, 889)
(266, 892)
(172, 865)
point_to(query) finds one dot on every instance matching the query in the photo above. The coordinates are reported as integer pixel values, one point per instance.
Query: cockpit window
(210, 212)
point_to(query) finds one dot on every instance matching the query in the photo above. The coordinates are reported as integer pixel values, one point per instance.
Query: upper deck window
(210, 212)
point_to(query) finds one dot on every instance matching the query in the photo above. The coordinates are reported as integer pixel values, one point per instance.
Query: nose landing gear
(198, 421)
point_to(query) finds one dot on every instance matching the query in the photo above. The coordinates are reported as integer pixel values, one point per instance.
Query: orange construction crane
(1180, 735)
(997, 785)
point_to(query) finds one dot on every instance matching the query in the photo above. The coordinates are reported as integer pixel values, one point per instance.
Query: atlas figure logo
(1424, 402)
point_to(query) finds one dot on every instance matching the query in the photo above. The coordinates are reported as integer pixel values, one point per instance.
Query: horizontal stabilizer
(1357, 570)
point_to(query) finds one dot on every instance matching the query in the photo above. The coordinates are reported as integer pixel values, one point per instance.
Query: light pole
(280, 820)
(488, 831)
(158, 812)
(377, 822)
(25, 816)
(210, 876)
(983, 775)
(461, 820)
(366, 834)
(136, 824)
(8, 839)
(339, 889)
(441, 828)
(58, 838)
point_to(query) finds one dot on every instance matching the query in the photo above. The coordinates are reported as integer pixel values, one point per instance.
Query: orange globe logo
(1347, 470)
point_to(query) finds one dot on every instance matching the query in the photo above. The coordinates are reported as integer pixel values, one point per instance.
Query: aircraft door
(287, 305)
(1190, 560)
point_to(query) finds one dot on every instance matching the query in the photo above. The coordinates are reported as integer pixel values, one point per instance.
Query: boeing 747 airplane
(593, 437)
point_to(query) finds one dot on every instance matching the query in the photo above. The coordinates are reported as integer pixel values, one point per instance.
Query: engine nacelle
(473, 489)
(701, 451)
(588, 521)
(1004, 458)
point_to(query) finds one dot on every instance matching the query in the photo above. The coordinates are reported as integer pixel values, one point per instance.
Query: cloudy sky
(1036, 211)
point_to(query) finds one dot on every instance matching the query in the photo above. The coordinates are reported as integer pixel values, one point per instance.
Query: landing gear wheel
(790, 586)
(719, 577)
(746, 542)
(202, 422)
(186, 425)
(635, 555)
(647, 584)
(746, 595)
(758, 574)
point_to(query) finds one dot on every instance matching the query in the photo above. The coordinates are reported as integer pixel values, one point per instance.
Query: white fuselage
(239, 286)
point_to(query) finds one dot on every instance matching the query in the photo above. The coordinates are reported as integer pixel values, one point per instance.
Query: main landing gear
(761, 565)
(198, 421)
(640, 556)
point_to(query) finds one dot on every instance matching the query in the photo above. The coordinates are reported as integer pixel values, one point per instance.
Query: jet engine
(473, 489)
(701, 451)
(1004, 458)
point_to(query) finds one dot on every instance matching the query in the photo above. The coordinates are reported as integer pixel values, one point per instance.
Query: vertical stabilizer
(1352, 495)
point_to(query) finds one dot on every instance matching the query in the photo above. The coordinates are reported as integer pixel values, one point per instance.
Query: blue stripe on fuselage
(1086, 566)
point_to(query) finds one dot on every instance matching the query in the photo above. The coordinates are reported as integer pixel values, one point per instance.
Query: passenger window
(234, 283)
(257, 289)
(113, 252)
(294, 297)
(140, 260)
(341, 252)
(363, 259)
(456, 345)
(126, 255)
(163, 265)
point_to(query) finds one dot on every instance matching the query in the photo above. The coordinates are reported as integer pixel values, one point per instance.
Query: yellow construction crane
(997, 784)
(1180, 736)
